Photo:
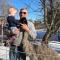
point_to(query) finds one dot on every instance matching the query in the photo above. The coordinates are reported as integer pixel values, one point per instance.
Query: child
(12, 23)
(11, 20)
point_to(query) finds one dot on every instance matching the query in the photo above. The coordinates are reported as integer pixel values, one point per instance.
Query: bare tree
(52, 19)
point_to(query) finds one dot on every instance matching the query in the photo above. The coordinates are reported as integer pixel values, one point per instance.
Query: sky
(32, 5)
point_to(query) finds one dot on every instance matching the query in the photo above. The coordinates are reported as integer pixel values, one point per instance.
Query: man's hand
(25, 27)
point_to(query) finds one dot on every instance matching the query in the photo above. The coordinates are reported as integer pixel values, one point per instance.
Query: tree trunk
(46, 37)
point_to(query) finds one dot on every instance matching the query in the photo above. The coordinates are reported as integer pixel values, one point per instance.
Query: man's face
(23, 13)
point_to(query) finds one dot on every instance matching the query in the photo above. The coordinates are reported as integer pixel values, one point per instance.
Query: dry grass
(46, 53)
(41, 52)
(28, 47)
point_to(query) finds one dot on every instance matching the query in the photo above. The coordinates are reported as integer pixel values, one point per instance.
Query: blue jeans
(15, 53)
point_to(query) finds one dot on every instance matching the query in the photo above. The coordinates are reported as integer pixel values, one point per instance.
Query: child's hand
(16, 31)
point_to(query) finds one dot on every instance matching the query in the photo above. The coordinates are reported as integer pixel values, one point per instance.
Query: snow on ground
(55, 45)
(4, 53)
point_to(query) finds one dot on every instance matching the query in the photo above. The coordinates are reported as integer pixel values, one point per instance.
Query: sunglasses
(22, 12)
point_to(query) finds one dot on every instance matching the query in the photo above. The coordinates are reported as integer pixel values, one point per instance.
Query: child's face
(12, 11)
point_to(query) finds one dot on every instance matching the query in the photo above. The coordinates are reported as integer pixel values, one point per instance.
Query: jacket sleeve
(12, 20)
(32, 32)
(15, 22)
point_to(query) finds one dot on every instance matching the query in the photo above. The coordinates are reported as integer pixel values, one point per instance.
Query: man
(28, 27)
(25, 26)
